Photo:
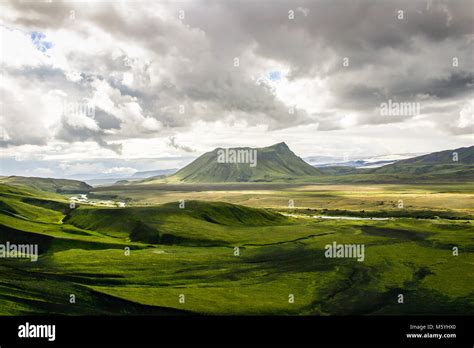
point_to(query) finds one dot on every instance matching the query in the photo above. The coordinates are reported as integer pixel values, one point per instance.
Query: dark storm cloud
(358, 96)
(454, 85)
(106, 120)
(172, 142)
(73, 132)
(42, 14)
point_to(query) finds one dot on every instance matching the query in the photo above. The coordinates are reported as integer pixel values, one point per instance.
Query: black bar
(164, 330)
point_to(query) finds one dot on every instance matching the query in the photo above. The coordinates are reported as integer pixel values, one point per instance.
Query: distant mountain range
(355, 164)
(360, 162)
(151, 173)
(277, 163)
(134, 177)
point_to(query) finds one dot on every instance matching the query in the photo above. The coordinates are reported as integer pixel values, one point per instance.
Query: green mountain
(48, 184)
(457, 164)
(273, 163)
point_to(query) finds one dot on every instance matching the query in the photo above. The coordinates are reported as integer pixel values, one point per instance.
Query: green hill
(169, 224)
(441, 164)
(48, 184)
(273, 163)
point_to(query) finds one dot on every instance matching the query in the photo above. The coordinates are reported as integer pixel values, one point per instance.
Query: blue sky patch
(274, 75)
(37, 38)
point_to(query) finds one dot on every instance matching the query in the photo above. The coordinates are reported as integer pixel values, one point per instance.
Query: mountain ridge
(459, 162)
(48, 184)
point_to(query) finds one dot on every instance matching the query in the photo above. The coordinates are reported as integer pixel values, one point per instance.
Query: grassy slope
(28, 214)
(435, 165)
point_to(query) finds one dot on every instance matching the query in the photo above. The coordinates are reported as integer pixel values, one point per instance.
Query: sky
(118, 87)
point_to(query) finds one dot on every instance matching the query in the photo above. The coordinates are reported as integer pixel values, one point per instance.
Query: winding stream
(338, 217)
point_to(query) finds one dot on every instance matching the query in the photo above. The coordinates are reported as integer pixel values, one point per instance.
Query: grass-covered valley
(226, 249)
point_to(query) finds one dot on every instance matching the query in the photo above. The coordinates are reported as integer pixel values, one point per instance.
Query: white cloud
(466, 116)
(18, 51)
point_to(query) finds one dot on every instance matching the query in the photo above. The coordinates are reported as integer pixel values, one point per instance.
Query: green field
(185, 261)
